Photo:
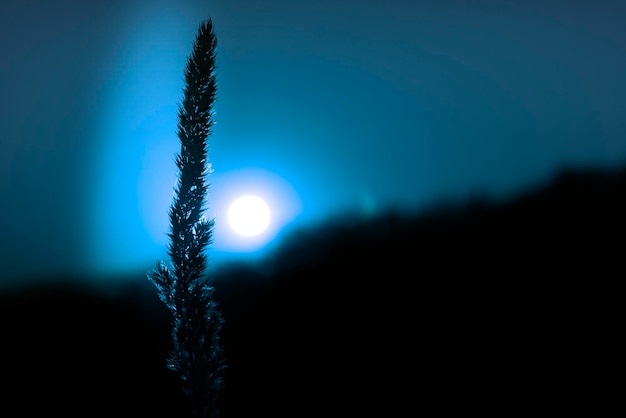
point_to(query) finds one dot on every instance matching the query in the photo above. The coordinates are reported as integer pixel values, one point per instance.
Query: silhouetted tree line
(475, 307)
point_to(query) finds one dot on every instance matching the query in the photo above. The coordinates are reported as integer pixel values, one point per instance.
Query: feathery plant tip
(182, 285)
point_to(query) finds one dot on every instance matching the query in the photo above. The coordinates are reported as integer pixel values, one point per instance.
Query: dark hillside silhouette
(72, 351)
(470, 308)
(477, 307)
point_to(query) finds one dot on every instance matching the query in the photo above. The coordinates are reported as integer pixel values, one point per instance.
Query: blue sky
(323, 107)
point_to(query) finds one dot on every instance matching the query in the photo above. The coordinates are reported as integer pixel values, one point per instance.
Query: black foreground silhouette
(477, 307)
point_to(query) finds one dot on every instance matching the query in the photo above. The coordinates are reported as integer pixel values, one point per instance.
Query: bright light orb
(248, 215)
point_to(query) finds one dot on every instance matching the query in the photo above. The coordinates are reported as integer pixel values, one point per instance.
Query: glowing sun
(248, 215)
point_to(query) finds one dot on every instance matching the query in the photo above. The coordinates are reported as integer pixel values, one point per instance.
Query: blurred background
(324, 108)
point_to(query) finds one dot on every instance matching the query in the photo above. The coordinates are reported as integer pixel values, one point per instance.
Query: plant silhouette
(197, 353)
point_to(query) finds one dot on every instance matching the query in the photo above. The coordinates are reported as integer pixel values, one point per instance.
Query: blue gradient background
(323, 107)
